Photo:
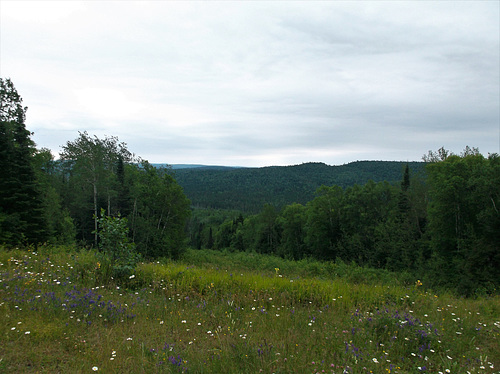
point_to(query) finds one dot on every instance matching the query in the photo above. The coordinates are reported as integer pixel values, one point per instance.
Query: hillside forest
(436, 220)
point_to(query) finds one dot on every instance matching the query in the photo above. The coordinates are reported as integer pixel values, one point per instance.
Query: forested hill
(248, 189)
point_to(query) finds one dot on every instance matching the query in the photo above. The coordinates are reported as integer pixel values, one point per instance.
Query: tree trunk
(95, 213)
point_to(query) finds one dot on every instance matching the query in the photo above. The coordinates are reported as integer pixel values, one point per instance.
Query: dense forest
(438, 219)
(248, 189)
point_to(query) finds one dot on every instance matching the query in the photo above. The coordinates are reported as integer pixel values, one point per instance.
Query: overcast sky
(258, 83)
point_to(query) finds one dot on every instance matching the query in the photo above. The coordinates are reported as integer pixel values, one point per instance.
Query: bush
(115, 245)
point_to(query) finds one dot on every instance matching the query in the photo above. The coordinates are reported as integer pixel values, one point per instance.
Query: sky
(243, 83)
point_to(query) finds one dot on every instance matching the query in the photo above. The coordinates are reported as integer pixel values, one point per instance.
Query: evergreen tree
(404, 201)
(123, 196)
(21, 212)
(60, 227)
(210, 244)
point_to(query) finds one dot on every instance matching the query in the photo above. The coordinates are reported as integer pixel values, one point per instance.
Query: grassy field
(233, 313)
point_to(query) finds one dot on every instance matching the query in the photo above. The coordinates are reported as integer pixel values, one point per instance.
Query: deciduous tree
(94, 162)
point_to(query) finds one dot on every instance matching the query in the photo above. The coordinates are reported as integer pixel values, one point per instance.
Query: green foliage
(91, 163)
(22, 218)
(115, 244)
(464, 221)
(160, 213)
(204, 222)
(225, 235)
(267, 233)
(248, 189)
(97, 174)
(292, 222)
(60, 226)
(323, 230)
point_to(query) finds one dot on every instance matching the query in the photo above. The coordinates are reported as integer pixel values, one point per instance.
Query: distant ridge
(248, 189)
(196, 166)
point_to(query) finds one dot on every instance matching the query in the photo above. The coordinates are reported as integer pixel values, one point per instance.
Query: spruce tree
(404, 200)
(123, 198)
(21, 212)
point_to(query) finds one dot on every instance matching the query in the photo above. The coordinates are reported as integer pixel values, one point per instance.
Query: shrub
(115, 245)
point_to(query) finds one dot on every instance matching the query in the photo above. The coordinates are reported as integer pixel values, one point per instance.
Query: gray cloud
(259, 83)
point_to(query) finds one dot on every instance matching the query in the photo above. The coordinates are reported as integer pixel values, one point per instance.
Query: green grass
(233, 313)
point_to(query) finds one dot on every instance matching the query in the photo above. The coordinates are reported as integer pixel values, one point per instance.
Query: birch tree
(94, 161)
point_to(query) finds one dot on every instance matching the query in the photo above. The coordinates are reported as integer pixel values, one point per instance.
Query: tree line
(43, 200)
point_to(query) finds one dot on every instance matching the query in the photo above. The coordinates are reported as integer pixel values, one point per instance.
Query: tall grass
(60, 311)
(302, 268)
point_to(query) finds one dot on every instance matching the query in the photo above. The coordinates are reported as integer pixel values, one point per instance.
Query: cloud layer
(258, 83)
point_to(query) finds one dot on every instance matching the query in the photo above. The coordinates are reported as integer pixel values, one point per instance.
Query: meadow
(215, 312)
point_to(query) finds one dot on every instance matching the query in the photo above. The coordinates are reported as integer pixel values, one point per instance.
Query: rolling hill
(248, 189)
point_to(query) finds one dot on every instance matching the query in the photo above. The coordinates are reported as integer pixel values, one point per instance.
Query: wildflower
(183, 321)
(129, 338)
(375, 360)
(95, 368)
(132, 276)
(27, 333)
